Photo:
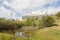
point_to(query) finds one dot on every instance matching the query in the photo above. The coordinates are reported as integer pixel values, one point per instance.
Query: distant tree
(58, 14)
(7, 25)
(10, 25)
(2, 19)
(30, 21)
(19, 24)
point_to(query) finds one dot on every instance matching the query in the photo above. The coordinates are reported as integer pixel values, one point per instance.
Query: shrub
(7, 25)
(30, 22)
(47, 21)
(58, 14)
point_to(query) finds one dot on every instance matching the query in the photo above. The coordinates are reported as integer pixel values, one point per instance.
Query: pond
(19, 34)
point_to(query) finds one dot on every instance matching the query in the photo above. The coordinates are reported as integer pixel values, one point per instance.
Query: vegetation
(58, 14)
(7, 25)
(48, 21)
(49, 31)
(5, 36)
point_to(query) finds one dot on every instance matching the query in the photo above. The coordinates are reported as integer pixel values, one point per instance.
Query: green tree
(30, 22)
(10, 25)
(47, 21)
(58, 14)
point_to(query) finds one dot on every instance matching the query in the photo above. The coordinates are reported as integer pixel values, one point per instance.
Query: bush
(7, 25)
(47, 21)
(30, 22)
(58, 14)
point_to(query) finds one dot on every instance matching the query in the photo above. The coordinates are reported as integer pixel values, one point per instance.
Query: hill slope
(50, 33)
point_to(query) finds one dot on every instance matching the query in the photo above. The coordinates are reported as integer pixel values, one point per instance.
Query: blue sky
(27, 7)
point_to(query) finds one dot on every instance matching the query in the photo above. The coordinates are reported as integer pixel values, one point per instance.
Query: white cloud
(21, 4)
(34, 13)
(51, 10)
(18, 4)
(6, 2)
(41, 3)
(6, 13)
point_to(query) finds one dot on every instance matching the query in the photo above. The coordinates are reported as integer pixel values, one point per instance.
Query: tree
(10, 24)
(19, 24)
(47, 21)
(58, 14)
(30, 22)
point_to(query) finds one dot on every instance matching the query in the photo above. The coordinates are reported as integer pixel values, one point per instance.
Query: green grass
(5, 36)
(48, 34)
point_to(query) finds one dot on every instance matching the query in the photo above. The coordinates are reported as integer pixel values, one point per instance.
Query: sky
(19, 8)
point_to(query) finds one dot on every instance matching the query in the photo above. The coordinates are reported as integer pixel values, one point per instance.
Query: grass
(5, 36)
(48, 34)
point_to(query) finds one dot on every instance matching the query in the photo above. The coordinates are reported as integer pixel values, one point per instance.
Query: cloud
(49, 11)
(41, 3)
(17, 4)
(23, 7)
(53, 10)
(6, 13)
(37, 5)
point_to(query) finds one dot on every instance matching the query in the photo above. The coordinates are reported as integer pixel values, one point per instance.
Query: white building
(31, 16)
